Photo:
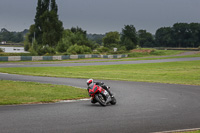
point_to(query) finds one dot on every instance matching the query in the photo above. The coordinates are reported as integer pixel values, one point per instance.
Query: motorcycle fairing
(93, 88)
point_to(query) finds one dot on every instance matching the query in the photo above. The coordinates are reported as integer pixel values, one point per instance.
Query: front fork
(107, 88)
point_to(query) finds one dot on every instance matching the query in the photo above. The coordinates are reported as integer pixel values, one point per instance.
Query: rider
(91, 83)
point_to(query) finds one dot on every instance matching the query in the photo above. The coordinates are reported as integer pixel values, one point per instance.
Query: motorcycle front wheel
(101, 99)
(114, 101)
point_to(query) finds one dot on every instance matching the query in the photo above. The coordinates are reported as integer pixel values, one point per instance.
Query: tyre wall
(63, 57)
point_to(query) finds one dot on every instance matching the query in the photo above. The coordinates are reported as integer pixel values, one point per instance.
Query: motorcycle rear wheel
(101, 99)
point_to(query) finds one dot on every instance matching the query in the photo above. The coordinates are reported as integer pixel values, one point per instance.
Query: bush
(37, 49)
(76, 49)
(46, 51)
(33, 52)
(122, 48)
(96, 52)
(118, 52)
(157, 52)
(136, 54)
(26, 47)
(103, 50)
(15, 54)
(32, 49)
(63, 45)
(1, 50)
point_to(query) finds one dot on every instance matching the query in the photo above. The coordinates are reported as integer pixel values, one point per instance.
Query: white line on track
(69, 101)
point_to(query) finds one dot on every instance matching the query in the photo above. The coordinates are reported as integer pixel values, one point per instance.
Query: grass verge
(16, 92)
(189, 132)
(155, 53)
(186, 72)
(193, 132)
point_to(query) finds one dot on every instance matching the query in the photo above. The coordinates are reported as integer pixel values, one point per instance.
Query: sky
(102, 16)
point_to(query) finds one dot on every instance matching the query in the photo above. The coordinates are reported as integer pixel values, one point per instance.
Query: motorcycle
(102, 96)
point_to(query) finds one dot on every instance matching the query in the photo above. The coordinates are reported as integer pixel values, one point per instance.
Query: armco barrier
(63, 57)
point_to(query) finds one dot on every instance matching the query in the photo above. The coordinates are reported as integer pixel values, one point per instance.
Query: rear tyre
(101, 99)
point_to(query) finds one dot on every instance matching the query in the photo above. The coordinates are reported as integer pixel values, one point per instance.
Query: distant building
(13, 49)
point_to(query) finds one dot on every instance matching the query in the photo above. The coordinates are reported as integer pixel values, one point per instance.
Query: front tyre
(101, 99)
(114, 101)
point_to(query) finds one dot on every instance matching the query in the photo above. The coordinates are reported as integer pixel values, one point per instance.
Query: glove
(101, 83)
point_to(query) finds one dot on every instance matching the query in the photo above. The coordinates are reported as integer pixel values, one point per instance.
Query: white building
(13, 49)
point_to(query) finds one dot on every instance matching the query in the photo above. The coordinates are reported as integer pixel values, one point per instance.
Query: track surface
(141, 108)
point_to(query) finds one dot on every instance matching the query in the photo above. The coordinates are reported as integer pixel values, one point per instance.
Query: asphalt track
(141, 108)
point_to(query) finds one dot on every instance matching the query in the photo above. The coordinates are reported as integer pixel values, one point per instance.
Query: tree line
(10, 37)
(179, 35)
(47, 35)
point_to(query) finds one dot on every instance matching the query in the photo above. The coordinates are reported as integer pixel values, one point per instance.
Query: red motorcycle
(101, 95)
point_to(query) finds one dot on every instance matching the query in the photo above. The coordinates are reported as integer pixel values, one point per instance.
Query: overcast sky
(101, 16)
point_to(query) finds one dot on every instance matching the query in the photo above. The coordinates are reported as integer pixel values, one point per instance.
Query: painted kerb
(64, 57)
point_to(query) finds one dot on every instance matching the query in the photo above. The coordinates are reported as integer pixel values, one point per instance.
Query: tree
(97, 38)
(111, 39)
(163, 37)
(78, 30)
(47, 29)
(194, 34)
(145, 38)
(79, 37)
(74, 36)
(36, 29)
(5, 34)
(65, 41)
(129, 37)
(54, 6)
(8, 36)
(51, 29)
(181, 34)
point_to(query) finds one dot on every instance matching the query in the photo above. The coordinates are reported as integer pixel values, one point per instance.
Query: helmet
(89, 81)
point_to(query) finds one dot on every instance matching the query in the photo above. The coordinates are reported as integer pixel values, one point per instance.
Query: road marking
(69, 101)
(181, 130)
(43, 103)
(3, 73)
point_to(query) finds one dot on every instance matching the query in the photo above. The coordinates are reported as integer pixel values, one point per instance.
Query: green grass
(187, 72)
(148, 58)
(15, 92)
(140, 58)
(158, 58)
(193, 132)
(14, 54)
(189, 132)
(156, 53)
